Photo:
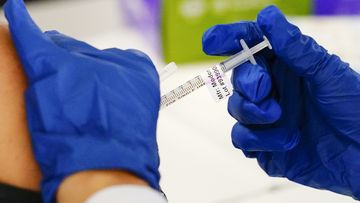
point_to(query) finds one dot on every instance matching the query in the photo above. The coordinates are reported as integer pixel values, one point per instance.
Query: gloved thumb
(28, 39)
(298, 51)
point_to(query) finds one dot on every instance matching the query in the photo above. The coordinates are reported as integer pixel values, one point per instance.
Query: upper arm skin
(17, 164)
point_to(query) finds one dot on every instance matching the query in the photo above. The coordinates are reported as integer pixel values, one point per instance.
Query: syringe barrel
(227, 65)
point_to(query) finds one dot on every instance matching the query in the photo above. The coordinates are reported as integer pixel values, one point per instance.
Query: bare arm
(79, 187)
(17, 164)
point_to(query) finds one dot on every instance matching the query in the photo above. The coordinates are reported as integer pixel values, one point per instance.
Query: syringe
(214, 77)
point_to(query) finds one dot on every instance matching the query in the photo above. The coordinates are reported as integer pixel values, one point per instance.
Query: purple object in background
(337, 7)
(144, 15)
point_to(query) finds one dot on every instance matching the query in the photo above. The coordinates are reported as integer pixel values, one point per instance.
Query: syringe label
(218, 83)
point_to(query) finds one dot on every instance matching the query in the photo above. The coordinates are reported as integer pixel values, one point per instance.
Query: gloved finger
(252, 81)
(71, 44)
(225, 39)
(132, 56)
(139, 53)
(126, 55)
(28, 39)
(264, 140)
(113, 55)
(146, 58)
(119, 56)
(300, 52)
(249, 113)
(251, 155)
(76, 46)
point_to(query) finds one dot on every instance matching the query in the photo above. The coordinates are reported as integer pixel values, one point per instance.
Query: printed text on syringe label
(218, 83)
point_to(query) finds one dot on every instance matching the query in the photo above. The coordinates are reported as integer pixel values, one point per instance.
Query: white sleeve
(127, 194)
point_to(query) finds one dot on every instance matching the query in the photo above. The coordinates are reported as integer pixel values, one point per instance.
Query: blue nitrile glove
(298, 111)
(86, 108)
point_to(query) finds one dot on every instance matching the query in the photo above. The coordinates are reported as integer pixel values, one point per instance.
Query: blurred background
(198, 162)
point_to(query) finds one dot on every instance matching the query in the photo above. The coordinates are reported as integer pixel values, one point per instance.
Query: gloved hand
(298, 110)
(86, 108)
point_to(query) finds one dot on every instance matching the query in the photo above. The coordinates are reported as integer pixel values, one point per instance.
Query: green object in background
(185, 21)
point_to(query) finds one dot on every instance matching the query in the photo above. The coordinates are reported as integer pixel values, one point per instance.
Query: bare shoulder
(18, 166)
(6, 46)
(3, 27)
(4, 34)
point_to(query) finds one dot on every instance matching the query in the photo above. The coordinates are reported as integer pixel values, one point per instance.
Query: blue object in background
(337, 7)
(298, 111)
(87, 109)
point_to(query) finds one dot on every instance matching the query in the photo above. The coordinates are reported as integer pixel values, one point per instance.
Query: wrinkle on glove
(306, 125)
(87, 109)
